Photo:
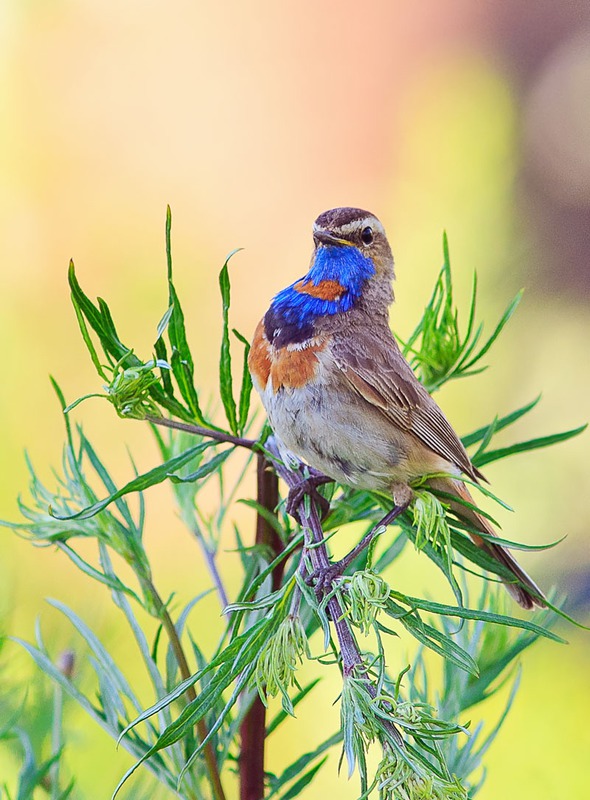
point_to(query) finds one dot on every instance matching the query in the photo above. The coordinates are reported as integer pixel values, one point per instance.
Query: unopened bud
(66, 662)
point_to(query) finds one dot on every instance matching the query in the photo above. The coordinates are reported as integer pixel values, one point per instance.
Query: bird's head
(351, 248)
(340, 232)
(351, 267)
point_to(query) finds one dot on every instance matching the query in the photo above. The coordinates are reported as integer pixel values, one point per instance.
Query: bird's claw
(322, 580)
(308, 486)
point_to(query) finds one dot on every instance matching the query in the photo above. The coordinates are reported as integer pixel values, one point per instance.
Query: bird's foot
(308, 486)
(323, 579)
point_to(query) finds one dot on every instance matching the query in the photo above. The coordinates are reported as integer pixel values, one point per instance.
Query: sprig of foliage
(31, 728)
(438, 351)
(131, 383)
(187, 734)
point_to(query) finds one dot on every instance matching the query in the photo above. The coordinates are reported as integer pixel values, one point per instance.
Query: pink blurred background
(251, 119)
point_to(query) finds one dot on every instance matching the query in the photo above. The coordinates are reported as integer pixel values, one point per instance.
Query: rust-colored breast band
(294, 369)
(259, 360)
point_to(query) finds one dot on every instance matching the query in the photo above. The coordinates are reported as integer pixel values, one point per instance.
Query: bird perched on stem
(340, 395)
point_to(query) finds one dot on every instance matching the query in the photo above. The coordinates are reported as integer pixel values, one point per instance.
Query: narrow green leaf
(296, 768)
(121, 601)
(250, 586)
(181, 359)
(254, 605)
(225, 374)
(169, 241)
(108, 695)
(87, 339)
(83, 303)
(110, 330)
(163, 323)
(269, 516)
(225, 675)
(99, 650)
(478, 556)
(241, 684)
(477, 614)
(161, 352)
(303, 781)
(183, 374)
(467, 504)
(154, 476)
(226, 656)
(177, 332)
(111, 581)
(437, 556)
(523, 447)
(472, 307)
(487, 438)
(101, 322)
(31, 776)
(82, 399)
(502, 422)
(477, 691)
(246, 387)
(205, 469)
(162, 355)
(108, 482)
(508, 543)
(498, 329)
(430, 637)
(67, 791)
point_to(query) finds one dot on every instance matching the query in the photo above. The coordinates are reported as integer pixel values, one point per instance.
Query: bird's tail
(524, 590)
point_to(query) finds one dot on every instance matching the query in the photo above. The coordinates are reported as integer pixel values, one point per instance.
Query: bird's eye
(367, 235)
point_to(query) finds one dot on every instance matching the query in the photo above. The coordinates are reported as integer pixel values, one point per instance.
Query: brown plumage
(338, 391)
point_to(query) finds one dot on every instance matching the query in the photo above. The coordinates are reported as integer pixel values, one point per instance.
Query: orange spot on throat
(324, 290)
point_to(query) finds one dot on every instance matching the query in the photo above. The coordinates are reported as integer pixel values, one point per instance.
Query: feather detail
(259, 359)
(374, 367)
(524, 590)
(294, 369)
(324, 290)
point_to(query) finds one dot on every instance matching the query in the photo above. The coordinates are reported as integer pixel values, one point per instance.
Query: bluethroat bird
(341, 397)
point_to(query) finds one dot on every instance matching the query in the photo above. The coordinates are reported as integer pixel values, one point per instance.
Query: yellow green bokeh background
(250, 119)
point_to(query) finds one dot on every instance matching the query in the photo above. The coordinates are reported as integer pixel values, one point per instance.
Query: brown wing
(374, 366)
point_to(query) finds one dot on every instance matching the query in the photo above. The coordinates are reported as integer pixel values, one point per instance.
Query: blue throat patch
(294, 312)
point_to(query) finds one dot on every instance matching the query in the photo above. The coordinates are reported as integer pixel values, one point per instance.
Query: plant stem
(170, 628)
(315, 545)
(208, 555)
(219, 436)
(214, 572)
(253, 728)
(56, 739)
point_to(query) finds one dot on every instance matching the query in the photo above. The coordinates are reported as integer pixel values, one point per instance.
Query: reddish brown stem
(170, 628)
(253, 728)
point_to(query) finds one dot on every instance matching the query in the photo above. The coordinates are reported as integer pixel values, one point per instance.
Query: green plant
(208, 714)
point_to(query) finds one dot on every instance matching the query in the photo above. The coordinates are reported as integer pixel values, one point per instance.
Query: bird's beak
(323, 237)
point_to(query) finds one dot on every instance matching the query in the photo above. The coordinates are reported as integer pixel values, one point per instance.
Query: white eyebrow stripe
(352, 227)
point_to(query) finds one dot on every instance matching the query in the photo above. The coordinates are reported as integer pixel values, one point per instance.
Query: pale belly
(342, 437)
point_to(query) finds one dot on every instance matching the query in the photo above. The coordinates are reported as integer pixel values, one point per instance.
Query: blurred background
(250, 119)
